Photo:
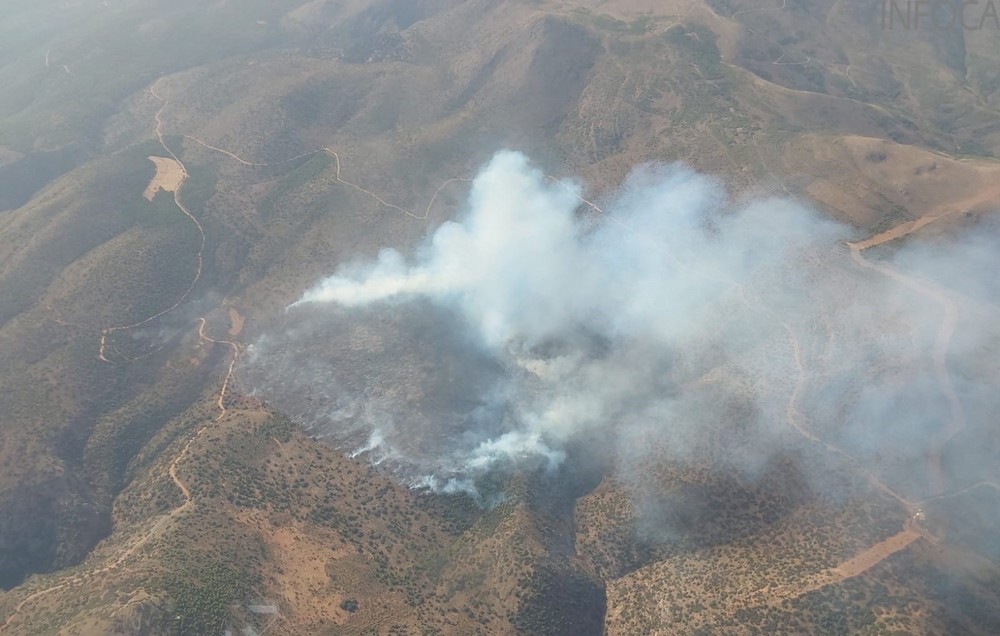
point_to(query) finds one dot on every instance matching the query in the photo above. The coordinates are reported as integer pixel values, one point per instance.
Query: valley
(218, 161)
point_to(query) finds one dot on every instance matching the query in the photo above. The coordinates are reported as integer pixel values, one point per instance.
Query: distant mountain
(145, 490)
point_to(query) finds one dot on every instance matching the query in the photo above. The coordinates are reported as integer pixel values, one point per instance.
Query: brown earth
(886, 132)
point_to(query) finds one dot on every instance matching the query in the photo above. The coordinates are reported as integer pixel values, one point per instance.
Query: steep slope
(315, 132)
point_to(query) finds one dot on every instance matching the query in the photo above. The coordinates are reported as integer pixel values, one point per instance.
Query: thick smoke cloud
(533, 324)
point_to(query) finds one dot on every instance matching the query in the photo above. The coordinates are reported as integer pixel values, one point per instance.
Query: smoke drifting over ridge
(523, 329)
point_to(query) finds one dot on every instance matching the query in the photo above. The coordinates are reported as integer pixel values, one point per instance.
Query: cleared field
(169, 176)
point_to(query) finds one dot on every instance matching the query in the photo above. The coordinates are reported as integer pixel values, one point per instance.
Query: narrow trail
(949, 322)
(337, 175)
(161, 520)
(956, 422)
(784, 4)
(229, 372)
(220, 403)
(811, 60)
(794, 417)
(419, 217)
(872, 556)
(781, 56)
(281, 447)
(855, 566)
(981, 484)
(136, 596)
(81, 578)
(911, 531)
(180, 204)
(172, 471)
(852, 567)
(251, 164)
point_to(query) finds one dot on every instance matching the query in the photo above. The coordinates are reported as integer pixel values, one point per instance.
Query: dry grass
(168, 177)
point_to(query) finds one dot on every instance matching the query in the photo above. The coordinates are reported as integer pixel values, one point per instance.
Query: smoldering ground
(531, 325)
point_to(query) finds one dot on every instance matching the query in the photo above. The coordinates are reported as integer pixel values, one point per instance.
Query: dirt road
(949, 320)
(337, 176)
(158, 130)
(855, 566)
(161, 521)
(176, 180)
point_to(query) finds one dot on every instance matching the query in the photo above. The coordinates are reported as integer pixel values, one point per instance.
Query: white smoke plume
(533, 323)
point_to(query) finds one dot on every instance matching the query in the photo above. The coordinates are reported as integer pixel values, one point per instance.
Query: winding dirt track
(180, 204)
(232, 363)
(874, 555)
(956, 422)
(337, 176)
(162, 520)
(949, 321)
(220, 402)
(80, 578)
(848, 569)
(911, 531)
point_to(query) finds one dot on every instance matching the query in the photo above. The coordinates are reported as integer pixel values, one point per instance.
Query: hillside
(173, 177)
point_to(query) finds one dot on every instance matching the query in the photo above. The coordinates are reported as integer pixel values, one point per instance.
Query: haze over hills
(286, 345)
